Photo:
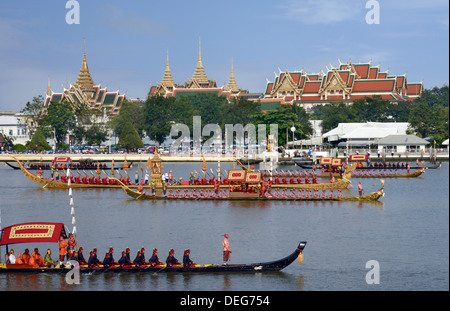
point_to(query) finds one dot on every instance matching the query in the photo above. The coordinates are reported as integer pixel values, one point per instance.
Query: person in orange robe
(32, 262)
(19, 259)
(39, 259)
(63, 243)
(26, 256)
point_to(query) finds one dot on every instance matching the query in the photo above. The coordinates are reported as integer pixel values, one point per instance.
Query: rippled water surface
(407, 232)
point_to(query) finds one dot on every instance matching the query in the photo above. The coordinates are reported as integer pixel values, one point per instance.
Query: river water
(406, 233)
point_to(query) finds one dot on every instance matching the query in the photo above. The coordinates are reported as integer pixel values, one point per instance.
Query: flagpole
(72, 210)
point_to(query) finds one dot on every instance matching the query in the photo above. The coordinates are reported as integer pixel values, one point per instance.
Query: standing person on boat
(146, 178)
(71, 243)
(171, 260)
(164, 185)
(226, 249)
(63, 243)
(360, 189)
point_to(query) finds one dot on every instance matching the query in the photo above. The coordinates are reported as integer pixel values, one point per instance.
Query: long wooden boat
(225, 196)
(372, 167)
(51, 183)
(47, 167)
(50, 232)
(416, 173)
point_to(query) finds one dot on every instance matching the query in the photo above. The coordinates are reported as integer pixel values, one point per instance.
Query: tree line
(428, 116)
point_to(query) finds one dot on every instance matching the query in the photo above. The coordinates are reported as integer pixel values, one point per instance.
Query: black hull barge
(275, 265)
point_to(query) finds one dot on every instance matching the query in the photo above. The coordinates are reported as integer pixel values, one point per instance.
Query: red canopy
(358, 157)
(236, 175)
(336, 162)
(61, 159)
(253, 177)
(326, 160)
(33, 232)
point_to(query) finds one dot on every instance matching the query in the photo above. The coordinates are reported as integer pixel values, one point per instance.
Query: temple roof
(84, 80)
(199, 73)
(167, 78)
(232, 85)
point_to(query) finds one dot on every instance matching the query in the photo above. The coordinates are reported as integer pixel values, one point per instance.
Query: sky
(127, 42)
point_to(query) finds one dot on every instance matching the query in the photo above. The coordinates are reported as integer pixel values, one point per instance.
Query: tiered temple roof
(84, 80)
(344, 83)
(200, 79)
(199, 83)
(232, 85)
(84, 91)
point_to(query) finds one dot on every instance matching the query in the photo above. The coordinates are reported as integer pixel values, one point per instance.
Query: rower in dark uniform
(137, 261)
(143, 262)
(154, 260)
(171, 260)
(124, 260)
(187, 262)
(107, 262)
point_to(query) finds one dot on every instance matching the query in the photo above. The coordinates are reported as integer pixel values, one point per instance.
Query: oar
(160, 269)
(44, 186)
(142, 194)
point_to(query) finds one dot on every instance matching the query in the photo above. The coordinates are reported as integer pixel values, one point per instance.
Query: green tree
(58, 121)
(370, 109)
(283, 117)
(238, 111)
(32, 114)
(333, 114)
(158, 115)
(38, 141)
(429, 116)
(129, 138)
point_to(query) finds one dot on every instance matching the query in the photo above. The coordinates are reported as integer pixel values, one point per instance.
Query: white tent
(366, 131)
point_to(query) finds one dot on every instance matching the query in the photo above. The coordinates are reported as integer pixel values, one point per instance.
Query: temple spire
(199, 50)
(200, 75)
(49, 90)
(167, 78)
(84, 80)
(232, 85)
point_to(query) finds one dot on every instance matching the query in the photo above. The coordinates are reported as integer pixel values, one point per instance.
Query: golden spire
(199, 74)
(84, 80)
(199, 50)
(167, 78)
(232, 85)
(49, 90)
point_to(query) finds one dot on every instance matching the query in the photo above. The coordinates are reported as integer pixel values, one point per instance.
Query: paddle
(160, 269)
